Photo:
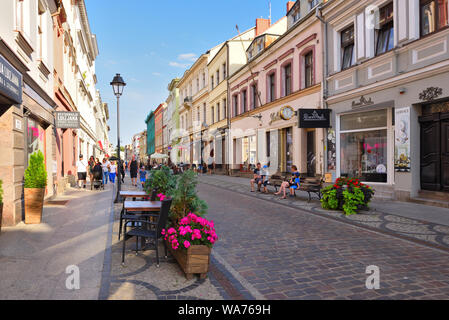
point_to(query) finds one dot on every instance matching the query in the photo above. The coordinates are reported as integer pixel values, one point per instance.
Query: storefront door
(435, 152)
(311, 155)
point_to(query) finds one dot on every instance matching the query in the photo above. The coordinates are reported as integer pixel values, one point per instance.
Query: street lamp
(205, 126)
(118, 85)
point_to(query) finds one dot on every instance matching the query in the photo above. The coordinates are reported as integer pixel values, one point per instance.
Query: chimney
(290, 5)
(262, 25)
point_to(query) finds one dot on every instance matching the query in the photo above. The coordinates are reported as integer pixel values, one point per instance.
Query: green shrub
(1, 192)
(35, 174)
(185, 198)
(161, 180)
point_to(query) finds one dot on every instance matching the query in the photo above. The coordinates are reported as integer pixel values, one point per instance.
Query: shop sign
(402, 140)
(314, 118)
(67, 120)
(10, 81)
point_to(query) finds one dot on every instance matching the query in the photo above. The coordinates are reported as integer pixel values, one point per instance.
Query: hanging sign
(314, 118)
(10, 81)
(402, 140)
(67, 120)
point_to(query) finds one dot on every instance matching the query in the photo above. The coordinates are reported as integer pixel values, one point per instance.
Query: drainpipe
(325, 62)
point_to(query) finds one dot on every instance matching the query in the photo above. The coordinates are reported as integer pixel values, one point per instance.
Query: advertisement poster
(402, 140)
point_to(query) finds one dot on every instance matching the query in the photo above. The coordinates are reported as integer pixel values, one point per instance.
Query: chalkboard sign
(314, 118)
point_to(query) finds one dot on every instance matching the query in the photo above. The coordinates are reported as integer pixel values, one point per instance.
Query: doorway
(311, 153)
(435, 152)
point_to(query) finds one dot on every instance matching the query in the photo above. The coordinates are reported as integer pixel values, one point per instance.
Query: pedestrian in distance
(90, 168)
(122, 171)
(105, 166)
(142, 175)
(113, 171)
(81, 169)
(133, 170)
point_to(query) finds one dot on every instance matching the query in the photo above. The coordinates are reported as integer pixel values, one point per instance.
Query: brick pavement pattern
(290, 253)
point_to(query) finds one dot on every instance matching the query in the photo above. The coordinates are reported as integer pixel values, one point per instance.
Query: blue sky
(151, 42)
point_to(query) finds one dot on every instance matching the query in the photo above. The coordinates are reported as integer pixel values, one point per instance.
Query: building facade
(387, 87)
(151, 136)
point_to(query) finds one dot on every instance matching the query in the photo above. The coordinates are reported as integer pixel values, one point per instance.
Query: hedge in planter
(348, 195)
(34, 188)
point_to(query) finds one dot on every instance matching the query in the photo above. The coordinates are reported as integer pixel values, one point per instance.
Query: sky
(151, 42)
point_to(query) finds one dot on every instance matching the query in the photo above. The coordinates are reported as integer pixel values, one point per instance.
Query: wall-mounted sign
(402, 140)
(67, 120)
(10, 81)
(314, 118)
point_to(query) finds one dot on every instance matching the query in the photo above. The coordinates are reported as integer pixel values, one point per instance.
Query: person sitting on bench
(295, 182)
(288, 183)
(257, 178)
(264, 175)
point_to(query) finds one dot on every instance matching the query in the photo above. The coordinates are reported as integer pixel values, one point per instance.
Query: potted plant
(1, 203)
(34, 188)
(161, 180)
(348, 195)
(191, 244)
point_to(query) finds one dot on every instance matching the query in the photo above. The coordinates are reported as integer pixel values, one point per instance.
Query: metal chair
(132, 216)
(143, 232)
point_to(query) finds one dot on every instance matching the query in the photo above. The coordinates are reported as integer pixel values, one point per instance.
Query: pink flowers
(192, 230)
(161, 196)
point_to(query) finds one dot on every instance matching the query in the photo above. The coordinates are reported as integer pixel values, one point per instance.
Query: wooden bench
(311, 185)
(276, 180)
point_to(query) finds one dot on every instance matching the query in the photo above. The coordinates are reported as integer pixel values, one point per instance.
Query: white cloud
(157, 74)
(178, 65)
(187, 57)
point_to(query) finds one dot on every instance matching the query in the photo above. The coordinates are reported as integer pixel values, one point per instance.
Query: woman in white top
(105, 166)
(113, 172)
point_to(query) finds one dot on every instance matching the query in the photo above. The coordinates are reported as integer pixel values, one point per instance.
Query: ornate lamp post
(118, 85)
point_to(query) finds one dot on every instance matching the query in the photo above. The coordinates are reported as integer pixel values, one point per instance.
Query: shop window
(434, 15)
(347, 48)
(363, 146)
(35, 137)
(385, 34)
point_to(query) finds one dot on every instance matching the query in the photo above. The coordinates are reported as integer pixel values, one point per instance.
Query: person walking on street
(105, 166)
(142, 175)
(122, 170)
(133, 171)
(90, 168)
(113, 172)
(81, 169)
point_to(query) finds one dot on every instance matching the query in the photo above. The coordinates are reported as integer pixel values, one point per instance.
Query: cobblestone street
(284, 252)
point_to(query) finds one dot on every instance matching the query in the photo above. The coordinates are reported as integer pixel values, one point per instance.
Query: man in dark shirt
(257, 178)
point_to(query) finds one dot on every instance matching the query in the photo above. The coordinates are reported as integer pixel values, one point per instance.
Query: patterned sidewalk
(423, 232)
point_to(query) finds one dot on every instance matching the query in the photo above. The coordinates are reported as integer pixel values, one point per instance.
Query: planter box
(193, 261)
(34, 202)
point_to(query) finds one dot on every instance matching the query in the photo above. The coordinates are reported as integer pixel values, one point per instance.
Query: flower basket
(194, 260)
(191, 243)
(348, 195)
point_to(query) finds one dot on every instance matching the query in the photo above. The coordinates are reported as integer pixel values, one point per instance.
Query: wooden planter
(34, 203)
(193, 261)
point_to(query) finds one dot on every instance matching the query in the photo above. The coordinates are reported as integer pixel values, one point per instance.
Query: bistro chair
(134, 216)
(143, 232)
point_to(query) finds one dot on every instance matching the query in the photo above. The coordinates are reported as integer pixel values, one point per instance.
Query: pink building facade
(267, 94)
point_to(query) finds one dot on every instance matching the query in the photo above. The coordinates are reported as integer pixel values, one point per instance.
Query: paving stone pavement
(140, 279)
(34, 258)
(293, 253)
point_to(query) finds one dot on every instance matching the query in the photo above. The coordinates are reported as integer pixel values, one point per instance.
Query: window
(385, 34)
(225, 114)
(254, 96)
(198, 84)
(212, 113)
(224, 71)
(244, 101)
(198, 115)
(212, 82)
(287, 79)
(259, 45)
(363, 146)
(268, 144)
(434, 15)
(235, 104)
(218, 111)
(218, 77)
(272, 87)
(296, 14)
(204, 112)
(204, 79)
(308, 69)
(347, 48)
(313, 3)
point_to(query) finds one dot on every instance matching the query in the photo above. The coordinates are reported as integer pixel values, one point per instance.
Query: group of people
(260, 178)
(108, 170)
